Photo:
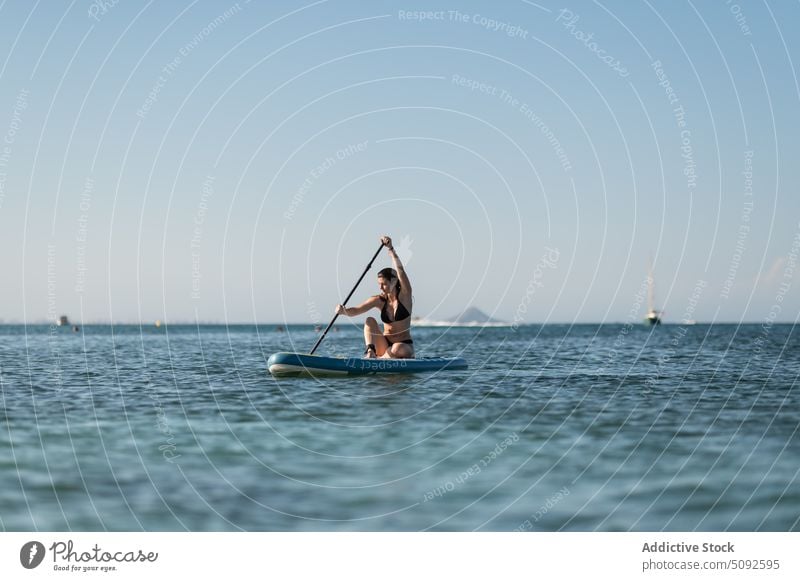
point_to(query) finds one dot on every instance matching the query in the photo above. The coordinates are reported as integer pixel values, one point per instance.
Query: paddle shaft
(344, 304)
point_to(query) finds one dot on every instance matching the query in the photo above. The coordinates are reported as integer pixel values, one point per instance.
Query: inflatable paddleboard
(300, 364)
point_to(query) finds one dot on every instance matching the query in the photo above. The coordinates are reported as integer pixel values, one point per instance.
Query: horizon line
(496, 324)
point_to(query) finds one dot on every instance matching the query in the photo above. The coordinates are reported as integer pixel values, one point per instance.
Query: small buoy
(158, 323)
(279, 329)
(75, 328)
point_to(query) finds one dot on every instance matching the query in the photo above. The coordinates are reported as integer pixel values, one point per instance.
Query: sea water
(580, 428)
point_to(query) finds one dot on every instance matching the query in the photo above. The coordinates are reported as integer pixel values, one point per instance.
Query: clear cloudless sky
(211, 161)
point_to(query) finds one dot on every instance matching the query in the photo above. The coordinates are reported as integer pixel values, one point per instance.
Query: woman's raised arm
(398, 266)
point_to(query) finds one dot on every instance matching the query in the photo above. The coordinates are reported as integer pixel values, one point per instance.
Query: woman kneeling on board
(395, 304)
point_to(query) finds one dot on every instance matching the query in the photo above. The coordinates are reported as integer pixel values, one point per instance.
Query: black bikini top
(399, 314)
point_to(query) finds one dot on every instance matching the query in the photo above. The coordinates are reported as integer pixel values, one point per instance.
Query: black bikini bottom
(406, 341)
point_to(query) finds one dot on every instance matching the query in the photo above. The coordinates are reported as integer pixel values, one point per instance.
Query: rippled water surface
(552, 428)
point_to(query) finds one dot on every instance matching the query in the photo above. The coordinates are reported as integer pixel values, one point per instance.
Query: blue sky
(238, 162)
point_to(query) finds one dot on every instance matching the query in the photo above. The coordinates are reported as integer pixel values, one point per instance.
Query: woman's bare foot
(370, 352)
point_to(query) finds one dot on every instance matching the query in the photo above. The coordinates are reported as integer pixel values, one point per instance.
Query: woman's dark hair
(389, 274)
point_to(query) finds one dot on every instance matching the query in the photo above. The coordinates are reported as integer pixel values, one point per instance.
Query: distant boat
(653, 316)
(62, 321)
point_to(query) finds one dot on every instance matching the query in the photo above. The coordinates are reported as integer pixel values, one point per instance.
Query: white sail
(653, 316)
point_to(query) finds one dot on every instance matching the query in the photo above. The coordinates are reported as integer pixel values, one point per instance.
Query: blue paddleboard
(297, 364)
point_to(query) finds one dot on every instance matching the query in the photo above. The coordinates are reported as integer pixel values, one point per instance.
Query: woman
(395, 304)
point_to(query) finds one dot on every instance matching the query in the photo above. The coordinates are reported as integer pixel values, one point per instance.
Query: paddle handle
(336, 316)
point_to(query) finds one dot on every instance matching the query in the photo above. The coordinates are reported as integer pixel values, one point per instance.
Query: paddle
(347, 299)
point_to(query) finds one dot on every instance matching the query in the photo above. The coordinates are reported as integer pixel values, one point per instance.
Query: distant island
(472, 317)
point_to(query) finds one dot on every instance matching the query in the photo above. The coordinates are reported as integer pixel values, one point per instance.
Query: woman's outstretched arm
(360, 309)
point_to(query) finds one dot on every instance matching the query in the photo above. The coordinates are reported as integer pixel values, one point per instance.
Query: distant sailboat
(653, 316)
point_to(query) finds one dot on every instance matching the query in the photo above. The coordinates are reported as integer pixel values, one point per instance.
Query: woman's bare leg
(373, 336)
(401, 351)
